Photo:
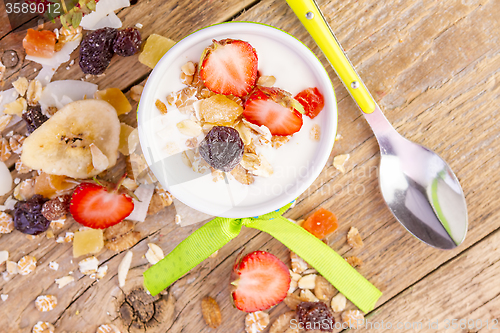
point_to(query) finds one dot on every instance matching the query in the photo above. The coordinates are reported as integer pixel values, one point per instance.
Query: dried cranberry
(56, 208)
(34, 118)
(127, 42)
(315, 316)
(222, 148)
(96, 51)
(28, 216)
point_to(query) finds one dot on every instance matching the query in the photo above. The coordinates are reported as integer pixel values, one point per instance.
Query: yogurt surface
(296, 164)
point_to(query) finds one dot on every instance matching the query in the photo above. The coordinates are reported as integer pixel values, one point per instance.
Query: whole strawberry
(100, 206)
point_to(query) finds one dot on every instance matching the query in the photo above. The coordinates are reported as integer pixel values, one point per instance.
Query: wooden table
(434, 68)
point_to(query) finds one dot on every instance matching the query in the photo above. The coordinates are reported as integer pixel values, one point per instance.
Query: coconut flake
(102, 9)
(6, 97)
(9, 204)
(5, 179)
(99, 160)
(109, 21)
(123, 268)
(144, 193)
(62, 92)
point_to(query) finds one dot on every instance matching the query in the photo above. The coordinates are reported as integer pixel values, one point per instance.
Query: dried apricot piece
(321, 223)
(40, 43)
(220, 110)
(116, 98)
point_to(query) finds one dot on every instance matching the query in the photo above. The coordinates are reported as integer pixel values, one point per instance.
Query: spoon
(419, 187)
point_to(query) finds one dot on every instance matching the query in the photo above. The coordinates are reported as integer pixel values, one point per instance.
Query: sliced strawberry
(312, 101)
(96, 206)
(275, 109)
(229, 67)
(262, 281)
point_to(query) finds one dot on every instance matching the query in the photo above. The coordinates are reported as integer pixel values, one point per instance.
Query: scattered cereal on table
(154, 253)
(339, 162)
(107, 328)
(4, 297)
(123, 268)
(298, 264)
(323, 289)
(64, 281)
(89, 265)
(53, 265)
(354, 261)
(353, 318)
(6, 223)
(283, 323)
(44, 303)
(43, 327)
(307, 296)
(256, 322)
(338, 303)
(354, 238)
(26, 265)
(307, 281)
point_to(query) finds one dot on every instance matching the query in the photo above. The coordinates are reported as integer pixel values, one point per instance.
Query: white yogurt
(296, 164)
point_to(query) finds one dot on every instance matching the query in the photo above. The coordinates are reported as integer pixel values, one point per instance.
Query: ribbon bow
(219, 231)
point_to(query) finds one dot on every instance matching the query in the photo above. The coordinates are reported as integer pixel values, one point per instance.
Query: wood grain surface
(433, 67)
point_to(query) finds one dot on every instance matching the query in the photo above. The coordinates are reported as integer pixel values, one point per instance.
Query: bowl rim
(326, 140)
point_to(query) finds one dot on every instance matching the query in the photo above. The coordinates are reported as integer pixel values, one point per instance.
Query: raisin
(222, 148)
(127, 42)
(56, 208)
(96, 51)
(28, 216)
(34, 118)
(315, 316)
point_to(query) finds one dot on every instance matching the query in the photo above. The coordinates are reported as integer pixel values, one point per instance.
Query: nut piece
(241, 175)
(118, 230)
(292, 300)
(211, 312)
(44, 303)
(6, 223)
(354, 318)
(43, 327)
(102, 271)
(338, 303)
(293, 286)
(34, 92)
(256, 322)
(26, 265)
(21, 85)
(282, 324)
(307, 281)
(89, 265)
(4, 121)
(324, 289)
(161, 106)
(136, 92)
(12, 267)
(188, 68)
(298, 264)
(307, 296)
(339, 162)
(154, 254)
(354, 238)
(354, 261)
(266, 81)
(64, 281)
(123, 268)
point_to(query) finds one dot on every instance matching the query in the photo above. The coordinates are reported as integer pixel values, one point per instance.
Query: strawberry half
(229, 67)
(99, 207)
(261, 281)
(312, 101)
(275, 109)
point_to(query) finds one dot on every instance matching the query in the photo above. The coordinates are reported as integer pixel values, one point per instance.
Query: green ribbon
(219, 231)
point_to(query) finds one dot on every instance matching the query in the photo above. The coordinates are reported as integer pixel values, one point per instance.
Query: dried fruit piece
(222, 148)
(154, 48)
(34, 117)
(26, 265)
(154, 253)
(6, 223)
(99, 161)
(256, 322)
(260, 281)
(43, 327)
(315, 316)
(298, 264)
(266, 81)
(229, 67)
(123, 268)
(16, 108)
(125, 131)
(321, 223)
(339, 162)
(307, 281)
(282, 323)
(96, 51)
(354, 238)
(127, 42)
(353, 318)
(21, 85)
(136, 92)
(116, 98)
(312, 101)
(44, 303)
(51, 186)
(161, 106)
(87, 241)
(211, 312)
(220, 110)
(28, 216)
(88, 265)
(323, 289)
(338, 302)
(40, 43)
(56, 208)
(354, 261)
